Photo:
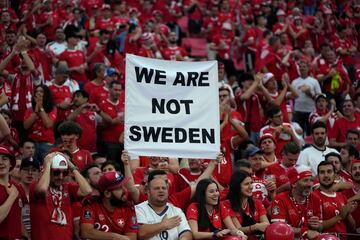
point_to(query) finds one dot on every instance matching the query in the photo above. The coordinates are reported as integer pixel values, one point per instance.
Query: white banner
(171, 108)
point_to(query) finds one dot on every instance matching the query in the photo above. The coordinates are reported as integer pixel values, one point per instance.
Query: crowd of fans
(289, 96)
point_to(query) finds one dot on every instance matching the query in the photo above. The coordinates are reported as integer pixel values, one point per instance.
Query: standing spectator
(60, 92)
(282, 132)
(331, 207)
(98, 82)
(207, 216)
(293, 207)
(353, 138)
(158, 218)
(11, 198)
(48, 20)
(307, 88)
(112, 112)
(323, 113)
(290, 154)
(59, 45)
(112, 216)
(248, 214)
(70, 132)
(39, 120)
(85, 115)
(350, 120)
(27, 148)
(51, 199)
(313, 155)
(173, 51)
(75, 59)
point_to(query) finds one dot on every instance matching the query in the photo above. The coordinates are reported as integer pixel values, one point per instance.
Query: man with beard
(51, 199)
(315, 154)
(173, 51)
(355, 190)
(331, 207)
(110, 216)
(159, 219)
(92, 174)
(293, 207)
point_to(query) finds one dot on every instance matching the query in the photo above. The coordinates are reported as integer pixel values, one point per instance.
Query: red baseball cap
(111, 181)
(298, 172)
(5, 151)
(265, 136)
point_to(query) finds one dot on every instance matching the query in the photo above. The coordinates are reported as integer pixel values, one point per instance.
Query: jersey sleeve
(131, 222)
(260, 208)
(87, 214)
(192, 212)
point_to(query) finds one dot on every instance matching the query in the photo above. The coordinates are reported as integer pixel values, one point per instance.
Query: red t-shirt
(184, 178)
(81, 158)
(259, 211)
(74, 58)
(284, 208)
(112, 132)
(218, 214)
(223, 53)
(281, 139)
(280, 173)
(86, 119)
(43, 60)
(59, 94)
(326, 206)
(250, 109)
(99, 96)
(51, 213)
(10, 227)
(91, 87)
(356, 214)
(170, 53)
(38, 131)
(121, 221)
(342, 125)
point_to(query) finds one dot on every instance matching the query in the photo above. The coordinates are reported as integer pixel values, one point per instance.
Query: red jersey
(171, 53)
(74, 58)
(6, 89)
(91, 87)
(259, 211)
(326, 206)
(43, 60)
(269, 59)
(51, 213)
(184, 178)
(112, 133)
(122, 220)
(343, 44)
(342, 125)
(59, 94)
(284, 208)
(250, 35)
(356, 214)
(214, 24)
(49, 30)
(10, 227)
(81, 158)
(218, 214)
(281, 138)
(86, 119)
(99, 96)
(252, 111)
(280, 173)
(105, 24)
(224, 51)
(38, 131)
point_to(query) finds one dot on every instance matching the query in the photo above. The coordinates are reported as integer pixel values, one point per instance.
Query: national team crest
(121, 222)
(275, 210)
(87, 214)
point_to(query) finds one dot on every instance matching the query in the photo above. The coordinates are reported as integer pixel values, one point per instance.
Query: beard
(173, 41)
(116, 202)
(327, 186)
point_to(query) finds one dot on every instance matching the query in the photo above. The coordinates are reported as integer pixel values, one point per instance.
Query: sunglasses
(57, 173)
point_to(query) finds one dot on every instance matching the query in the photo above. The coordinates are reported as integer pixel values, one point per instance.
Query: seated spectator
(115, 216)
(248, 214)
(39, 120)
(206, 216)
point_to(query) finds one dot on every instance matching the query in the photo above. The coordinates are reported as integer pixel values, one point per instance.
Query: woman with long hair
(206, 216)
(39, 121)
(247, 214)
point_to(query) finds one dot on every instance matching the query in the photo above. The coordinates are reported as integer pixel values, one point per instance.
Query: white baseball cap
(59, 162)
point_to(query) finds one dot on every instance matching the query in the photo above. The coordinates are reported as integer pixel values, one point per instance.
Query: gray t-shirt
(305, 103)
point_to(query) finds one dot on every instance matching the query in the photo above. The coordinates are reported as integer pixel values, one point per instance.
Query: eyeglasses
(57, 173)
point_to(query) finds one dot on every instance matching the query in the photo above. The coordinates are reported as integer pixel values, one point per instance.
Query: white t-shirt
(312, 157)
(304, 103)
(145, 214)
(56, 48)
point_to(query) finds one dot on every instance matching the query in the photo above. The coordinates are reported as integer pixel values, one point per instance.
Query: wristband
(72, 169)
